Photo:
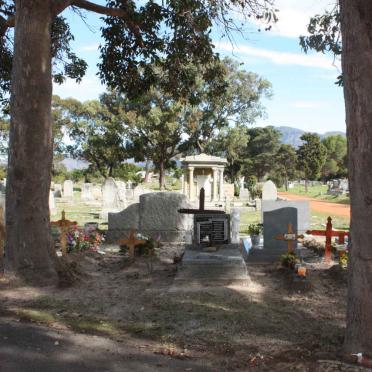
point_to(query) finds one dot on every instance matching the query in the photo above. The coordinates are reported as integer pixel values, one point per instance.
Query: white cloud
(90, 48)
(309, 104)
(280, 58)
(294, 15)
(89, 88)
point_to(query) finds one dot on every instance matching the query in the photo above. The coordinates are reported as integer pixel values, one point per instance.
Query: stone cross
(64, 225)
(131, 242)
(328, 234)
(289, 237)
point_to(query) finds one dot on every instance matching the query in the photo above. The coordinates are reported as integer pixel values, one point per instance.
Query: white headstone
(111, 202)
(52, 203)
(68, 189)
(269, 191)
(97, 192)
(235, 222)
(86, 192)
(122, 192)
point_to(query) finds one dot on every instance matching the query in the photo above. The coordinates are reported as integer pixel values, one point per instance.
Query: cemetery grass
(317, 192)
(271, 324)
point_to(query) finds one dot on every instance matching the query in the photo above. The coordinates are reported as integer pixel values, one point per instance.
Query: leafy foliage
(325, 35)
(97, 136)
(311, 155)
(336, 162)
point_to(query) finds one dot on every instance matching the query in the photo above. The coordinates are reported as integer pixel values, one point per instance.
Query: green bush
(289, 260)
(255, 229)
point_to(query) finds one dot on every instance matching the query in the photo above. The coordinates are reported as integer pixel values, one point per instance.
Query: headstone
(244, 194)
(229, 190)
(235, 225)
(68, 189)
(86, 192)
(122, 192)
(258, 203)
(138, 191)
(269, 191)
(111, 202)
(157, 213)
(57, 190)
(52, 203)
(276, 223)
(97, 192)
(303, 211)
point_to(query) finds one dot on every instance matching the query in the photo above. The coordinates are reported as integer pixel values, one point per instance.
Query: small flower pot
(255, 240)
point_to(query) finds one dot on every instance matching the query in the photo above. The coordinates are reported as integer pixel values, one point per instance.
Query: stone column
(183, 184)
(215, 184)
(191, 184)
(221, 185)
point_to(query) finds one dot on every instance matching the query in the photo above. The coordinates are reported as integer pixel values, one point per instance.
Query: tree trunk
(29, 252)
(147, 170)
(286, 183)
(306, 185)
(356, 21)
(161, 176)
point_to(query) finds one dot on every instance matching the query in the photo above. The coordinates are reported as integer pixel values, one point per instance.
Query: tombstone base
(226, 266)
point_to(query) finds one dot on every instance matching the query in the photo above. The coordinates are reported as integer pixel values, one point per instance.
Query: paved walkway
(333, 209)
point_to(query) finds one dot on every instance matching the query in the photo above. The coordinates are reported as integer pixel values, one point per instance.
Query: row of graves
(208, 240)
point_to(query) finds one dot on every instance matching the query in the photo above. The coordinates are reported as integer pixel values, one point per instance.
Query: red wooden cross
(328, 233)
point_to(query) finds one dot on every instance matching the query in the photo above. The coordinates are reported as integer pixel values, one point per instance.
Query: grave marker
(329, 233)
(131, 242)
(289, 237)
(64, 225)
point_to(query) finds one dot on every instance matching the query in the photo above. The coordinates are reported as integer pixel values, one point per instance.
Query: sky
(304, 93)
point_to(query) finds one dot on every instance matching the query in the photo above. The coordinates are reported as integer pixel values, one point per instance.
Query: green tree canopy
(96, 135)
(311, 155)
(336, 163)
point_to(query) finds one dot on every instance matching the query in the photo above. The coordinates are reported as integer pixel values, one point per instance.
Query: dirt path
(333, 209)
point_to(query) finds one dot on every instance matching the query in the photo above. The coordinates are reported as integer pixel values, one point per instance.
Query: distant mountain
(291, 136)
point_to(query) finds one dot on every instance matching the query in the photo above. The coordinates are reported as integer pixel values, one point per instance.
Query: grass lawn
(317, 192)
(318, 221)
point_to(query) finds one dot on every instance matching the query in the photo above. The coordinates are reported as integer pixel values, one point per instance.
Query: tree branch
(6, 23)
(87, 5)
(60, 5)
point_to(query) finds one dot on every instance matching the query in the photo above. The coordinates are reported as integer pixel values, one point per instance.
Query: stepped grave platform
(213, 266)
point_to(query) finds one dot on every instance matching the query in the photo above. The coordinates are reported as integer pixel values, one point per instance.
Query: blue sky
(304, 93)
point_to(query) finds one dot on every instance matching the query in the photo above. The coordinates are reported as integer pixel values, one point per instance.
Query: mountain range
(291, 136)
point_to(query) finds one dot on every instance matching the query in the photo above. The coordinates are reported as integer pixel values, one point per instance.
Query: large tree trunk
(356, 24)
(28, 246)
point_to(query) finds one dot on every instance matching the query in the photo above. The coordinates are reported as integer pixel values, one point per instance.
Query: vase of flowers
(255, 231)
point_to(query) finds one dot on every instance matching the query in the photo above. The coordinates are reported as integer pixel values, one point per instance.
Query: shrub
(289, 260)
(255, 229)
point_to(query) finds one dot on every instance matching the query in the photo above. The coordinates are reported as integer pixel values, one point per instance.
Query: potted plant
(255, 230)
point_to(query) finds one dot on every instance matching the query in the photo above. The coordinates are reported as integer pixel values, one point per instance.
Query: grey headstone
(57, 190)
(276, 223)
(86, 192)
(111, 202)
(303, 211)
(269, 191)
(68, 189)
(159, 214)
